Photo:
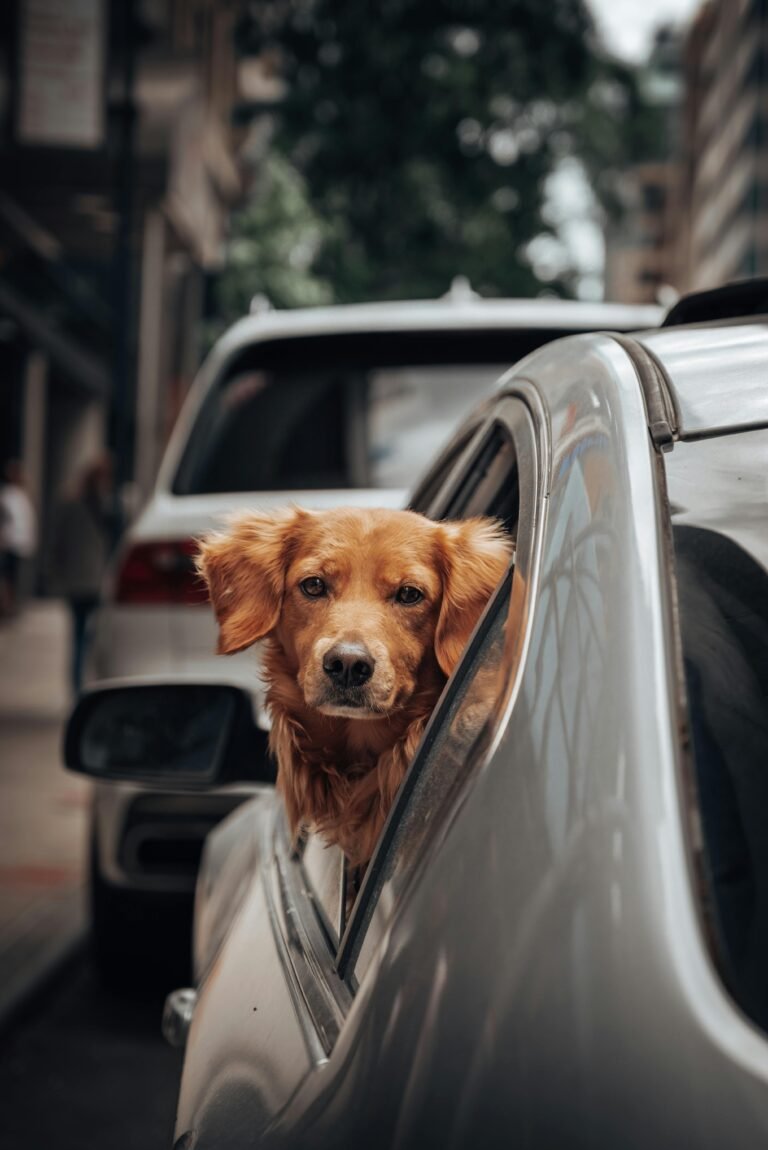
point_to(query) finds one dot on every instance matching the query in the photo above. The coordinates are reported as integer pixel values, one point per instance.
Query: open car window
(500, 478)
(497, 474)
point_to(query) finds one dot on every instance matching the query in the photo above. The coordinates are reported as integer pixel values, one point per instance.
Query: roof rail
(734, 300)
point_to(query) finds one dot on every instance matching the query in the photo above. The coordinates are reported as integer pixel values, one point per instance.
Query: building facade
(698, 216)
(639, 253)
(641, 241)
(120, 160)
(725, 169)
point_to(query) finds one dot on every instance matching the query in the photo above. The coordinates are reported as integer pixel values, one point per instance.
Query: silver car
(319, 406)
(562, 938)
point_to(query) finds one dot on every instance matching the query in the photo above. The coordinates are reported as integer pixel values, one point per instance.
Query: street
(43, 817)
(82, 1069)
(79, 1066)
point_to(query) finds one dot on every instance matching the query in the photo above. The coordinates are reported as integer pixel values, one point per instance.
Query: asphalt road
(84, 1069)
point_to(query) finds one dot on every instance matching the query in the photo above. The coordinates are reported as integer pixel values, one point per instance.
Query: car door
(296, 940)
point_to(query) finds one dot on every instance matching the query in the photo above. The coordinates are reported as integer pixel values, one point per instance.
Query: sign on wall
(61, 73)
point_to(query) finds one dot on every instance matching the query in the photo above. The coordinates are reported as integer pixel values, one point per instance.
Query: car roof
(447, 314)
(716, 375)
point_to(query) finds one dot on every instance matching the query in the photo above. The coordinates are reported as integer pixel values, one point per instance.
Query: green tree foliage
(273, 244)
(425, 132)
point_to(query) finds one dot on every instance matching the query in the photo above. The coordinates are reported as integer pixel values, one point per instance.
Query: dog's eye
(313, 587)
(408, 595)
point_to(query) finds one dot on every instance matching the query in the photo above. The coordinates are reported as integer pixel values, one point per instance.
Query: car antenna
(461, 291)
(260, 303)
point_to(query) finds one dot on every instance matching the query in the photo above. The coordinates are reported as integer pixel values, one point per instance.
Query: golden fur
(342, 750)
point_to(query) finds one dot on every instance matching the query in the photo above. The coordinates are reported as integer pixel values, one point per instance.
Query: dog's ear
(244, 568)
(475, 554)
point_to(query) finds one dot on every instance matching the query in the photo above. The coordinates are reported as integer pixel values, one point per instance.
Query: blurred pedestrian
(82, 541)
(18, 536)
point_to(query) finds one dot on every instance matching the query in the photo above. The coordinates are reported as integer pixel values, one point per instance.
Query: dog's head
(358, 600)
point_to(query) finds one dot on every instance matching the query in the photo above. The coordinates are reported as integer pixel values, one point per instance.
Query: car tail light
(160, 572)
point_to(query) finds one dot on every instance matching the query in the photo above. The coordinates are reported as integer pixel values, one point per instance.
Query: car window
(488, 485)
(720, 538)
(427, 490)
(329, 428)
(489, 479)
(501, 478)
(359, 411)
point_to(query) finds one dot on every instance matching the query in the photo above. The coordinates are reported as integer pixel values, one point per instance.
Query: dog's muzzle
(348, 665)
(348, 668)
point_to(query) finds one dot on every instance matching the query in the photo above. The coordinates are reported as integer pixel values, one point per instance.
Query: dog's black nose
(348, 664)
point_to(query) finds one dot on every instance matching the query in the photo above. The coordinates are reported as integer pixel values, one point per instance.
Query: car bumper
(151, 840)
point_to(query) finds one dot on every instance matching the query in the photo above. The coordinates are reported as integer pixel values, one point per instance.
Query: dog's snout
(348, 664)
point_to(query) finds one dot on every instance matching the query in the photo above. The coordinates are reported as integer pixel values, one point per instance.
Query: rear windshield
(719, 494)
(359, 411)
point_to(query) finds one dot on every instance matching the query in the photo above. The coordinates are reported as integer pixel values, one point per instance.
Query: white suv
(318, 407)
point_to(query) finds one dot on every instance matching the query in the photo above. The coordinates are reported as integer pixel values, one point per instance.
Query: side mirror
(174, 734)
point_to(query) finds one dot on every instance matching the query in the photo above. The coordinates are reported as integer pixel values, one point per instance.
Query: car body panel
(706, 367)
(231, 857)
(722, 485)
(260, 1015)
(134, 816)
(546, 978)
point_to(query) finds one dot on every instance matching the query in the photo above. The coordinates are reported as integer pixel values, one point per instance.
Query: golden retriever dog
(365, 614)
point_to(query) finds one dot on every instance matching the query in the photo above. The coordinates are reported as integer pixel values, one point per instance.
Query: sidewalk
(42, 808)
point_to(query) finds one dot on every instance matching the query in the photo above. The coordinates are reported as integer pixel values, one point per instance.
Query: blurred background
(163, 161)
(167, 165)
